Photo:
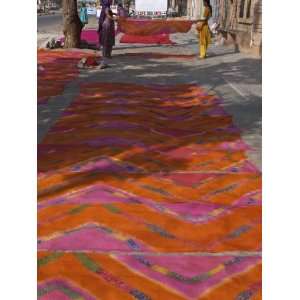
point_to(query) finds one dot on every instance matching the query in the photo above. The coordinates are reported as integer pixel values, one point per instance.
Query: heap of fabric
(54, 44)
(88, 62)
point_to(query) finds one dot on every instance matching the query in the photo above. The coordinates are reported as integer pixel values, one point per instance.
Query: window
(245, 11)
(248, 15)
(242, 8)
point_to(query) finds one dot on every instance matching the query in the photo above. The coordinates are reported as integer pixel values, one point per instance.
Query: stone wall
(194, 9)
(241, 24)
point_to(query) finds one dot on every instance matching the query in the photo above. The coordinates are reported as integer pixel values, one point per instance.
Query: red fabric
(153, 27)
(60, 67)
(161, 39)
(91, 61)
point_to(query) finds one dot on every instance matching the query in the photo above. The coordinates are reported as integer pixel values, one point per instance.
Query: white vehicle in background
(97, 13)
(91, 11)
(150, 8)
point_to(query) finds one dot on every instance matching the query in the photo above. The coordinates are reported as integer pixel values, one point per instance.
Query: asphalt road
(54, 23)
(50, 23)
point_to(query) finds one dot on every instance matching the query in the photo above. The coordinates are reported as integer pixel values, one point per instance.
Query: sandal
(103, 66)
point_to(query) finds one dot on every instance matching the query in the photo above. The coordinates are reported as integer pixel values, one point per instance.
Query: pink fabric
(89, 35)
(57, 295)
(160, 39)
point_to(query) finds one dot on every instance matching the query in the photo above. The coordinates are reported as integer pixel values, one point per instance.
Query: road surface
(49, 23)
(54, 23)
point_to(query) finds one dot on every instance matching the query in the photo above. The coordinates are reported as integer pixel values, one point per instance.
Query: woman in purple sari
(122, 13)
(106, 30)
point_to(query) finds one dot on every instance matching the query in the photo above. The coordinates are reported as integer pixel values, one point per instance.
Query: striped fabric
(146, 192)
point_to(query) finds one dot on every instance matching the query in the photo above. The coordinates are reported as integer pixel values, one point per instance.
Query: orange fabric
(231, 288)
(68, 267)
(153, 27)
(156, 182)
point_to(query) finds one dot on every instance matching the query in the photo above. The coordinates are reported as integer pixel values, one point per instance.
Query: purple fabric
(107, 35)
(106, 30)
(122, 12)
(105, 4)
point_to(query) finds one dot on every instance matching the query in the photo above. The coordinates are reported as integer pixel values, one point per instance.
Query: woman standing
(98, 12)
(122, 13)
(83, 15)
(204, 31)
(106, 31)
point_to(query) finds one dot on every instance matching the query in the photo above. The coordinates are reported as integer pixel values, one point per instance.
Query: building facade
(194, 9)
(240, 21)
(187, 8)
(241, 24)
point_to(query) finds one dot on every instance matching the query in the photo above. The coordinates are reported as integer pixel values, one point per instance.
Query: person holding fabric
(83, 15)
(98, 12)
(204, 31)
(122, 12)
(106, 31)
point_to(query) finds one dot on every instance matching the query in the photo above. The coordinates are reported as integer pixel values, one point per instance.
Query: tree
(72, 24)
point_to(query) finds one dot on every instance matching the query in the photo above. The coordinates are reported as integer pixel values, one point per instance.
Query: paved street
(51, 26)
(149, 181)
(49, 23)
(53, 23)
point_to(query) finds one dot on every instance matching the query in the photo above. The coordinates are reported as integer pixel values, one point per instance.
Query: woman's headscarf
(105, 5)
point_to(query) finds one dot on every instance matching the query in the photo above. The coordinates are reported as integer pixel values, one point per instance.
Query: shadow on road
(69, 142)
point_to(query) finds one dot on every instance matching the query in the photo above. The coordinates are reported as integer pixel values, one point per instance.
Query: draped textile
(152, 27)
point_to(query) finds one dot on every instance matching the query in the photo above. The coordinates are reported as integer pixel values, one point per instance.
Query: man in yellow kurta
(204, 31)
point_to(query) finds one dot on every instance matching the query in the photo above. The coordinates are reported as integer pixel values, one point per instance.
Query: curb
(46, 14)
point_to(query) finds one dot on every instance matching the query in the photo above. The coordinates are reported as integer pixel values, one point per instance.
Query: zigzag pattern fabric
(58, 69)
(146, 192)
